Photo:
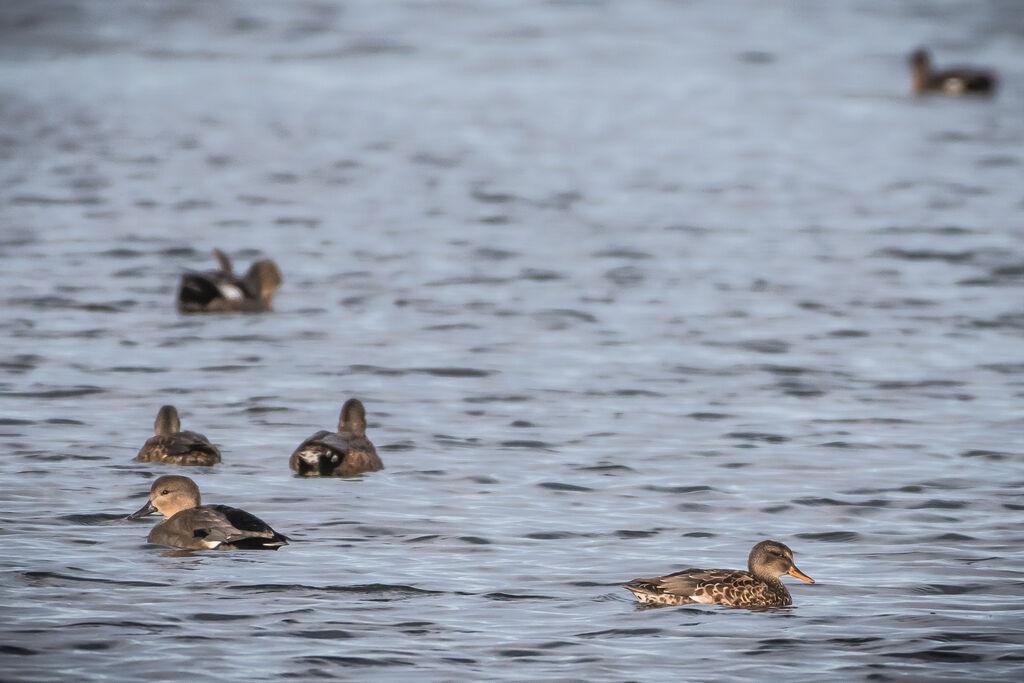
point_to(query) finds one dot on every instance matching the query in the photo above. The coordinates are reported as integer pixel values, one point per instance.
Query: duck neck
(167, 421)
(767, 577)
(922, 73)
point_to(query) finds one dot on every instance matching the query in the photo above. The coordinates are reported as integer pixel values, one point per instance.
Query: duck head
(353, 417)
(169, 495)
(263, 277)
(773, 559)
(167, 421)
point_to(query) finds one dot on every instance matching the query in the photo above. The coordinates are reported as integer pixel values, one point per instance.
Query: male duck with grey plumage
(344, 453)
(221, 291)
(189, 525)
(757, 588)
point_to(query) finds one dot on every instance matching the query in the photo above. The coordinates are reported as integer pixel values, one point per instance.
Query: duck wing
(343, 443)
(697, 580)
(188, 442)
(229, 527)
(180, 448)
(684, 583)
(712, 586)
(960, 80)
(980, 81)
(331, 440)
(196, 291)
(217, 291)
(697, 585)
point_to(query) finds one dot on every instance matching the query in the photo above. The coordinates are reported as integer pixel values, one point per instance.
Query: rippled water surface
(624, 287)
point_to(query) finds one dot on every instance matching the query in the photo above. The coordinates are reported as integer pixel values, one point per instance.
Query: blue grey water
(624, 287)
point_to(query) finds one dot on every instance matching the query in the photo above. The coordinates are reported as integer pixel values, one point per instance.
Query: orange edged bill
(793, 571)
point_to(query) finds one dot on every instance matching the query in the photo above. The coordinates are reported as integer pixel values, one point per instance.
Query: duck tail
(261, 543)
(641, 588)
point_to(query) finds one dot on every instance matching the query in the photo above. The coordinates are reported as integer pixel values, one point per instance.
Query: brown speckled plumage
(344, 453)
(172, 446)
(758, 587)
(221, 291)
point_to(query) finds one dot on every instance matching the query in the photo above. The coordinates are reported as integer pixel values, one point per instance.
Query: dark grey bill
(146, 509)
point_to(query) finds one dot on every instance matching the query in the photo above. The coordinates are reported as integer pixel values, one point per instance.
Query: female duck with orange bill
(758, 587)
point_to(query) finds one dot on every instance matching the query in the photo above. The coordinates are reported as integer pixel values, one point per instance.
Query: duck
(221, 291)
(757, 588)
(954, 81)
(172, 446)
(345, 453)
(189, 525)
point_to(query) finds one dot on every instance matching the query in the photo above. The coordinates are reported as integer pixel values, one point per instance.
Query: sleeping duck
(189, 525)
(221, 291)
(172, 446)
(758, 587)
(952, 81)
(344, 453)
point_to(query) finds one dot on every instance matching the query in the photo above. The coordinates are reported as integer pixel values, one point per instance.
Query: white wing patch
(230, 292)
(954, 86)
(703, 599)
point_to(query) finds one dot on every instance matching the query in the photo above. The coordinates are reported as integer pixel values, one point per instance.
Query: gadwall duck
(221, 291)
(757, 587)
(344, 453)
(175, 447)
(189, 525)
(954, 81)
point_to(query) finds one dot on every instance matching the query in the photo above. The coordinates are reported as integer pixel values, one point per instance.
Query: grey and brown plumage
(758, 587)
(172, 446)
(951, 81)
(190, 525)
(344, 453)
(221, 291)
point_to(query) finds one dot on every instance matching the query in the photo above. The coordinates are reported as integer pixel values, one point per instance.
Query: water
(625, 288)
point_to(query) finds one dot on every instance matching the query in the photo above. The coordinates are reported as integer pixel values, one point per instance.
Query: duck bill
(793, 571)
(146, 509)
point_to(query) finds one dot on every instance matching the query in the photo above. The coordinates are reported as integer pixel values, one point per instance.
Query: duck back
(180, 448)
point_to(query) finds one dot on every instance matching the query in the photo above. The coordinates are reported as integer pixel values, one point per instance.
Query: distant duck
(758, 587)
(175, 447)
(189, 525)
(344, 453)
(953, 81)
(221, 291)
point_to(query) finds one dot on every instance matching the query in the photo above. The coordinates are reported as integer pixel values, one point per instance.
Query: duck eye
(164, 492)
